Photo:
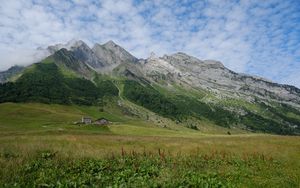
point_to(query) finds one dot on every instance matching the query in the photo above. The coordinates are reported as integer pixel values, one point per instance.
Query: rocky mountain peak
(180, 57)
(113, 54)
(214, 64)
(76, 43)
(79, 44)
(110, 44)
(100, 56)
(152, 55)
(72, 44)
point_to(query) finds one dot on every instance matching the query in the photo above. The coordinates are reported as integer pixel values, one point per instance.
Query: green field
(41, 147)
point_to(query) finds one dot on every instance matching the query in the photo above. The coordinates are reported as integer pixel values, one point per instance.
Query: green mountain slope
(63, 79)
(182, 107)
(46, 83)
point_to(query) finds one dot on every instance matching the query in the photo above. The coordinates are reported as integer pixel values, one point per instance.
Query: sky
(258, 37)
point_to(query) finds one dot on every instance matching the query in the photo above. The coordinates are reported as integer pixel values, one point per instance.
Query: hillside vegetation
(40, 146)
(46, 83)
(180, 107)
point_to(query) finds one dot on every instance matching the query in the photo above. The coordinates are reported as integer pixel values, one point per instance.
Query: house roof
(102, 119)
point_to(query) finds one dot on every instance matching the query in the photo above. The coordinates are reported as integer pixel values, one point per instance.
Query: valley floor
(40, 147)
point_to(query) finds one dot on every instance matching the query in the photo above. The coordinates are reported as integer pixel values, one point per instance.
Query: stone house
(101, 121)
(86, 120)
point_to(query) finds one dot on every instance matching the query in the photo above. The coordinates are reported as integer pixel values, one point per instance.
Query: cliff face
(215, 77)
(101, 58)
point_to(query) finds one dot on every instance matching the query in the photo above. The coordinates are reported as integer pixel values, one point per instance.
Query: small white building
(86, 120)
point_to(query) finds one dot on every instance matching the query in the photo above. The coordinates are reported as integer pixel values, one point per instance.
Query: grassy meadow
(41, 147)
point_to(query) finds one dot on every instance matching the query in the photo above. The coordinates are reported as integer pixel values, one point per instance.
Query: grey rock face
(83, 53)
(69, 60)
(112, 54)
(101, 57)
(215, 77)
(70, 45)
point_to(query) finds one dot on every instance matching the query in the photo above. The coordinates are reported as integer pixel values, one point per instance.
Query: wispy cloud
(250, 36)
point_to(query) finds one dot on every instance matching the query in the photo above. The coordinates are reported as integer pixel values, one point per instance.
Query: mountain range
(176, 88)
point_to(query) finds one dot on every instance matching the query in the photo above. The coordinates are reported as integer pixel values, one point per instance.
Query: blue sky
(260, 37)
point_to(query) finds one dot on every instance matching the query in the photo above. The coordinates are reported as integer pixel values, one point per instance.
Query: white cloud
(29, 56)
(259, 37)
